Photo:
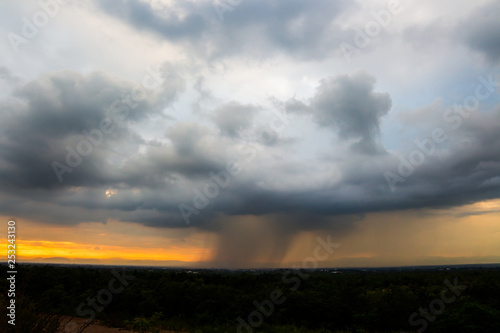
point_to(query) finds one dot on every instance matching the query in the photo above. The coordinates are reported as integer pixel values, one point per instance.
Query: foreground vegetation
(219, 301)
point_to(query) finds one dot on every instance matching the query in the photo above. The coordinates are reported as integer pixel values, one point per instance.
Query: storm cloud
(349, 105)
(46, 116)
(248, 123)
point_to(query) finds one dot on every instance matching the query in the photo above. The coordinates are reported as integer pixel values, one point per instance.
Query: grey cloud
(294, 105)
(168, 23)
(349, 105)
(481, 31)
(194, 152)
(266, 136)
(456, 173)
(233, 117)
(46, 115)
(302, 29)
(8, 76)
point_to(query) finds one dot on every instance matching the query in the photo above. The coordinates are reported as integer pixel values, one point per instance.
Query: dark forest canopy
(350, 300)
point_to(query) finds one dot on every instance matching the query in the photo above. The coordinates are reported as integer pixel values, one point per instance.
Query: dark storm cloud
(193, 152)
(460, 175)
(119, 180)
(481, 31)
(46, 116)
(349, 105)
(302, 29)
(463, 169)
(43, 117)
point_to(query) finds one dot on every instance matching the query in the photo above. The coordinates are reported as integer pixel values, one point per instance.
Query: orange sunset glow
(471, 234)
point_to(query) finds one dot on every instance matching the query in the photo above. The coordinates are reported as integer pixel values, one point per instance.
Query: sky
(246, 133)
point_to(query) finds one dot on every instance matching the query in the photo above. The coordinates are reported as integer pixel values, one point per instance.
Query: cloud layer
(185, 114)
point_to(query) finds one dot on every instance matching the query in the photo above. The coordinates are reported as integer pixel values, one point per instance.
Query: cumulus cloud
(481, 31)
(303, 30)
(349, 105)
(48, 118)
(45, 116)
